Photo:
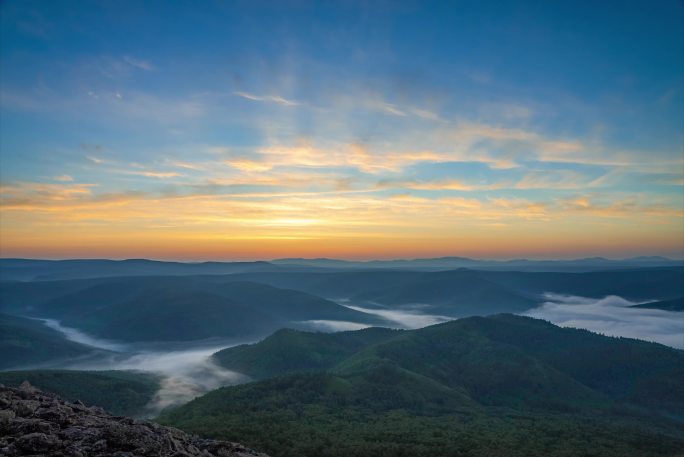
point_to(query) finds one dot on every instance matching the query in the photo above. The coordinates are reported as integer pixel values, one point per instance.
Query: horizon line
(370, 260)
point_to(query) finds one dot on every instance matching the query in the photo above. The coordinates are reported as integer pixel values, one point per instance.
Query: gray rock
(36, 442)
(36, 423)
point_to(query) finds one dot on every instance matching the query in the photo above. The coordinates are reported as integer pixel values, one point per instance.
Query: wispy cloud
(277, 99)
(20, 193)
(95, 159)
(390, 109)
(249, 165)
(531, 180)
(312, 206)
(138, 63)
(393, 109)
(186, 165)
(153, 174)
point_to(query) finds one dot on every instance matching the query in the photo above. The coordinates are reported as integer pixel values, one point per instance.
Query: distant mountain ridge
(171, 308)
(41, 270)
(253, 304)
(456, 262)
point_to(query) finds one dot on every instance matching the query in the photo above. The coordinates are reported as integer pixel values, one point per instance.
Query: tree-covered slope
(26, 342)
(624, 369)
(503, 385)
(288, 351)
(119, 392)
(322, 415)
(172, 308)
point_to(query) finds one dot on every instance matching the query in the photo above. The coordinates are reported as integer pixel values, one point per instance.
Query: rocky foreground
(35, 423)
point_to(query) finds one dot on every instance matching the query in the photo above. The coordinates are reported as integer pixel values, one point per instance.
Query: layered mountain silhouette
(44, 270)
(249, 305)
(171, 308)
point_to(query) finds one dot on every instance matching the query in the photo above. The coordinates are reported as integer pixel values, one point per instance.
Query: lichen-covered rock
(38, 423)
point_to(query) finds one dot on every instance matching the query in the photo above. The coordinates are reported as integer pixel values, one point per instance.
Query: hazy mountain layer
(172, 308)
(25, 342)
(247, 305)
(43, 270)
(676, 304)
(447, 263)
(478, 292)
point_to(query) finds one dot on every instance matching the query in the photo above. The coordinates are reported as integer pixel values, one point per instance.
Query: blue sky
(251, 129)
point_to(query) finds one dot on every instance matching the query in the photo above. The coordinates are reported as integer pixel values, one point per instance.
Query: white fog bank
(408, 318)
(78, 336)
(187, 369)
(323, 325)
(186, 374)
(612, 316)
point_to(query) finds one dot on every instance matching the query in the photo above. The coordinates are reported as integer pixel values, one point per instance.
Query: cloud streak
(277, 99)
(78, 336)
(401, 317)
(334, 326)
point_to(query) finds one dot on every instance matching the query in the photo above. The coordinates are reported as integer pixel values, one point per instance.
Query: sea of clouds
(612, 316)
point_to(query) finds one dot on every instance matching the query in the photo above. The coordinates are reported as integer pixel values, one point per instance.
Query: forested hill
(502, 385)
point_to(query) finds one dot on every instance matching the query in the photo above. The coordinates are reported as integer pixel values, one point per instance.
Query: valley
(365, 352)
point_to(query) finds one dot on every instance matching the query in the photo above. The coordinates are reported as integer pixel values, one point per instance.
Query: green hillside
(501, 386)
(25, 342)
(288, 351)
(119, 392)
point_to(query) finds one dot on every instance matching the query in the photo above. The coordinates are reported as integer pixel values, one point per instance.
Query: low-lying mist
(186, 374)
(187, 369)
(612, 316)
(78, 336)
(408, 317)
(323, 325)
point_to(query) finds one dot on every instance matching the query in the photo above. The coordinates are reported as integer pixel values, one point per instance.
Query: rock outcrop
(35, 423)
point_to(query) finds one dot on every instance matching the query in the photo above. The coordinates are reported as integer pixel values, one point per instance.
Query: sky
(228, 130)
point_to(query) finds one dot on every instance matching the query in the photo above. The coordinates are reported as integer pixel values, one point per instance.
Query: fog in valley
(612, 316)
(78, 336)
(187, 368)
(408, 316)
